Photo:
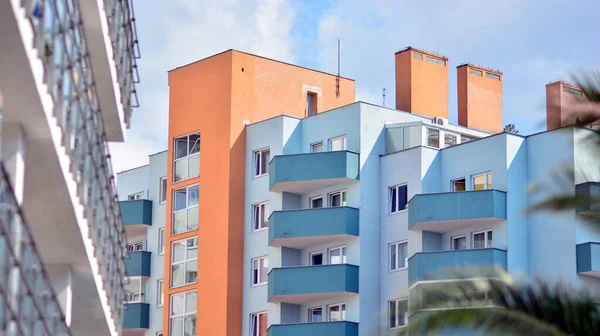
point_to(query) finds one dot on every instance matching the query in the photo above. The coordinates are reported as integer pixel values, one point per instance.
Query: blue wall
(136, 212)
(136, 316)
(340, 328)
(588, 257)
(138, 263)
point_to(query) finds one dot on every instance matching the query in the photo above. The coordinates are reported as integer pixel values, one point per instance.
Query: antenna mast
(383, 94)
(337, 78)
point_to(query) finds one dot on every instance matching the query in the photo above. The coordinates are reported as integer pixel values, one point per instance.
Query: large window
(160, 292)
(260, 216)
(336, 312)
(261, 162)
(398, 255)
(134, 289)
(187, 157)
(317, 147)
(316, 202)
(183, 314)
(459, 242)
(161, 241)
(315, 315)
(433, 137)
(184, 262)
(185, 209)
(337, 198)
(337, 144)
(450, 139)
(460, 184)
(260, 270)
(337, 255)
(482, 239)
(163, 189)
(258, 324)
(398, 198)
(482, 181)
(398, 313)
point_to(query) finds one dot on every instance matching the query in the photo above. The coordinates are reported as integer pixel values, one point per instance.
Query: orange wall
(421, 86)
(479, 100)
(553, 115)
(214, 96)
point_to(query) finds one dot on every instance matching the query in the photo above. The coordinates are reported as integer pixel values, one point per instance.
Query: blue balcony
(311, 283)
(589, 190)
(431, 265)
(302, 228)
(136, 316)
(300, 173)
(338, 328)
(138, 212)
(588, 259)
(138, 263)
(445, 212)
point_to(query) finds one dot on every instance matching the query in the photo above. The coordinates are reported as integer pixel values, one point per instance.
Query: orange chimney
(559, 95)
(422, 82)
(479, 98)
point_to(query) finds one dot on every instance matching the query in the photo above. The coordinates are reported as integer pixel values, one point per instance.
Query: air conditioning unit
(440, 121)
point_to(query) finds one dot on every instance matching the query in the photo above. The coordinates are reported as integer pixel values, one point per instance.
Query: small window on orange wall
(311, 104)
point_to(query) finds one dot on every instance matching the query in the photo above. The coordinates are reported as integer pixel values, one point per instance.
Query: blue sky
(532, 42)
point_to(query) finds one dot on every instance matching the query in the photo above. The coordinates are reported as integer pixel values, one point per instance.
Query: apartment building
(142, 198)
(67, 88)
(294, 210)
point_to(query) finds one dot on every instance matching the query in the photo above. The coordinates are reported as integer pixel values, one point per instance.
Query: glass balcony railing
(61, 45)
(29, 305)
(123, 36)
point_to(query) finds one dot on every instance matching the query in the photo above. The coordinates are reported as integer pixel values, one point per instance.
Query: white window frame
(310, 315)
(397, 302)
(314, 145)
(184, 314)
(187, 157)
(486, 234)
(343, 254)
(257, 317)
(344, 143)
(439, 137)
(187, 208)
(310, 256)
(455, 180)
(136, 196)
(162, 190)
(263, 211)
(162, 244)
(160, 292)
(396, 246)
(390, 202)
(257, 160)
(450, 134)
(183, 262)
(135, 245)
(453, 238)
(343, 196)
(310, 202)
(258, 281)
(139, 294)
(341, 305)
(486, 176)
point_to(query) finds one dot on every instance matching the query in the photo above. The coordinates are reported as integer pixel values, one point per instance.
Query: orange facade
(217, 96)
(561, 98)
(479, 98)
(422, 83)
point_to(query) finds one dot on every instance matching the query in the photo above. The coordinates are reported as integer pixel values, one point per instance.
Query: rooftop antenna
(337, 78)
(383, 94)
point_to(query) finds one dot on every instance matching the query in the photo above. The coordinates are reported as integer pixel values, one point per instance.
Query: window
(316, 258)
(187, 157)
(185, 209)
(411, 136)
(311, 104)
(317, 147)
(572, 91)
(337, 312)
(476, 72)
(134, 197)
(450, 140)
(398, 255)
(163, 189)
(316, 202)
(459, 243)
(134, 289)
(183, 314)
(433, 137)
(315, 315)
(337, 255)
(492, 76)
(260, 270)
(398, 310)
(417, 55)
(261, 162)
(459, 184)
(160, 333)
(436, 60)
(337, 144)
(161, 241)
(398, 198)
(160, 292)
(184, 265)
(482, 239)
(466, 138)
(258, 324)
(337, 199)
(260, 216)
(482, 181)
(137, 246)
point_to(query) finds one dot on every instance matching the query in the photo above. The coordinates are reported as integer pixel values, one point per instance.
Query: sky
(532, 42)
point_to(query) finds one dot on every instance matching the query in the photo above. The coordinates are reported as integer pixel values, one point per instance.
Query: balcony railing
(123, 36)
(61, 45)
(30, 306)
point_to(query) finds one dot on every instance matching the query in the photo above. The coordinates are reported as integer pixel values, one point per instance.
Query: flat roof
(479, 67)
(430, 53)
